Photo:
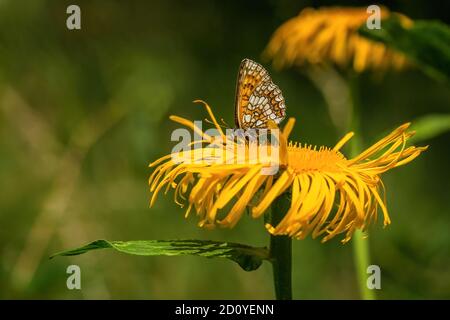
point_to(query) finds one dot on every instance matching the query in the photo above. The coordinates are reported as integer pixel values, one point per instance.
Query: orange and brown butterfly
(258, 99)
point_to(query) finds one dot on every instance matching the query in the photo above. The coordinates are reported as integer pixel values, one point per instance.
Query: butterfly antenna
(224, 123)
(210, 122)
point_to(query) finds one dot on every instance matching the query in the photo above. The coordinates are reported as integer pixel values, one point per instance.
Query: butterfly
(258, 100)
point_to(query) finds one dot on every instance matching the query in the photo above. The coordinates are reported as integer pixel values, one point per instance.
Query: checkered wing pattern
(258, 99)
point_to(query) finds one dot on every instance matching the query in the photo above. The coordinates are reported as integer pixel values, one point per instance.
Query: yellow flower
(330, 194)
(330, 35)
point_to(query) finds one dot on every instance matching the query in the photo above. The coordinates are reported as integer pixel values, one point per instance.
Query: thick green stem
(281, 252)
(360, 244)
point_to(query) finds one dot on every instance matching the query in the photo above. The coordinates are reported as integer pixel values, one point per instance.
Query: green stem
(281, 252)
(362, 260)
(350, 123)
(360, 244)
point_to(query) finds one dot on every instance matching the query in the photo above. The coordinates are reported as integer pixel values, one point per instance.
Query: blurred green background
(82, 113)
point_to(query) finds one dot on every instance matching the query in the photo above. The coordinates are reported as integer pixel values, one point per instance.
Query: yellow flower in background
(329, 194)
(330, 35)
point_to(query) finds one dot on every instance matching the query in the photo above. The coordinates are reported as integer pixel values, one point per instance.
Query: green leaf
(426, 43)
(430, 126)
(249, 258)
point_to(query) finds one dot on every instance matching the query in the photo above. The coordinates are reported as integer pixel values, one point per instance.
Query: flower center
(307, 158)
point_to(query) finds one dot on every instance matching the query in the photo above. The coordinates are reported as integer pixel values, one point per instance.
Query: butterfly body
(258, 99)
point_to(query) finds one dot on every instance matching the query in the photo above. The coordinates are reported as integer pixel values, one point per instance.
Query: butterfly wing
(258, 99)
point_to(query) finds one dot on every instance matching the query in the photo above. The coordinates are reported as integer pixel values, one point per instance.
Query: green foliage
(427, 43)
(248, 258)
(430, 126)
(118, 79)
